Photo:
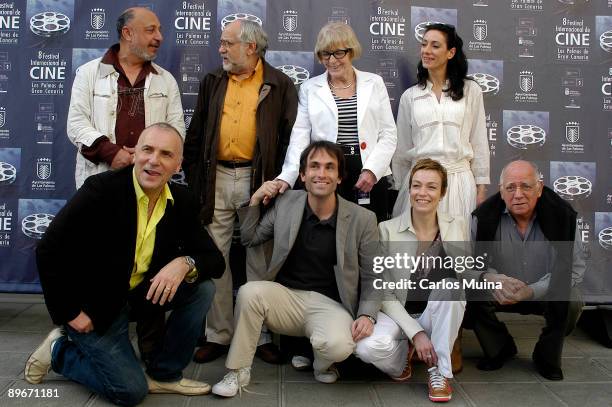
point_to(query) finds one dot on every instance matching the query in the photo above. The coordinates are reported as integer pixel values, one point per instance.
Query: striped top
(347, 120)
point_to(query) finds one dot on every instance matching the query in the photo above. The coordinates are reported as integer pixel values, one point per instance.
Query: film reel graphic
(49, 24)
(239, 16)
(36, 224)
(179, 178)
(8, 173)
(605, 238)
(419, 29)
(297, 74)
(573, 187)
(605, 41)
(526, 136)
(489, 84)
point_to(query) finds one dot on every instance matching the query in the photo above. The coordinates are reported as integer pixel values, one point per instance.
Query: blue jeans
(106, 363)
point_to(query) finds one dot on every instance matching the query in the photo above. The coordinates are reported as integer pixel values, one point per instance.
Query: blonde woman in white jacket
(351, 108)
(406, 326)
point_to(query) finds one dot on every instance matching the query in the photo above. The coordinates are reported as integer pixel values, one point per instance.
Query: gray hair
(536, 170)
(123, 20)
(251, 31)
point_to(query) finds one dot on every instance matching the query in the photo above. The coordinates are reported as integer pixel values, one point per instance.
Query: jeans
(106, 363)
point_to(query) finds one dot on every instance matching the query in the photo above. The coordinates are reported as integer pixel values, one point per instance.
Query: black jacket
(276, 112)
(86, 257)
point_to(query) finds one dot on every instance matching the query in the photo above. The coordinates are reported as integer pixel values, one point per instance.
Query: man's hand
(362, 327)
(166, 282)
(283, 185)
(82, 323)
(507, 294)
(366, 181)
(265, 193)
(425, 349)
(123, 158)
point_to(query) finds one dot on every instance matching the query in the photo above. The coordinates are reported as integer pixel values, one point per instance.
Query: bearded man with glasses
(528, 235)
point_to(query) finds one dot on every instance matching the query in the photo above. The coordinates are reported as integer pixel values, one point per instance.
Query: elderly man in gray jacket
(320, 278)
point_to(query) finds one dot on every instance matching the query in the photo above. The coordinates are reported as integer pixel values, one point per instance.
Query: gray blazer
(356, 244)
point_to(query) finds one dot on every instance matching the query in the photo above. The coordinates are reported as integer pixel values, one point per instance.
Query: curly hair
(457, 67)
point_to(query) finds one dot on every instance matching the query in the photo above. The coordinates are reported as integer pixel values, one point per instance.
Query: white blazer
(317, 119)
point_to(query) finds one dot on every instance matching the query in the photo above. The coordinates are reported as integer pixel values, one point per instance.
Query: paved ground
(24, 322)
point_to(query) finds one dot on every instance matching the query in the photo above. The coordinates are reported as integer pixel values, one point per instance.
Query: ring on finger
(167, 289)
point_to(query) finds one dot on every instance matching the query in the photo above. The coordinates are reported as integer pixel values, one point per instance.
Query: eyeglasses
(512, 188)
(338, 54)
(226, 44)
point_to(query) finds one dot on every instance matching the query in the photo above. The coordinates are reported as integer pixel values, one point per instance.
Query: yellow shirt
(237, 135)
(145, 229)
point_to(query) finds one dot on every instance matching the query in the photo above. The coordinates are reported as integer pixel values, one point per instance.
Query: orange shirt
(238, 132)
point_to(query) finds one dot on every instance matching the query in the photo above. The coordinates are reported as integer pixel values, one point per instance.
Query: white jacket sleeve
(80, 129)
(298, 141)
(478, 135)
(400, 165)
(174, 114)
(379, 160)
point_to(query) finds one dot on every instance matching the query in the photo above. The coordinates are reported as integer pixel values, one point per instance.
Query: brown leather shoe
(269, 353)
(407, 373)
(209, 352)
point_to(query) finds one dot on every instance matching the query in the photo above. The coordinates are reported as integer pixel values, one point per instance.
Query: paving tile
(337, 394)
(411, 394)
(582, 370)
(605, 363)
(12, 364)
(9, 310)
(255, 395)
(24, 342)
(525, 348)
(589, 346)
(583, 394)
(510, 395)
(69, 394)
(33, 319)
(515, 370)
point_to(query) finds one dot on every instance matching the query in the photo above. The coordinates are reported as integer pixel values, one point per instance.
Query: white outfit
(387, 347)
(93, 108)
(317, 119)
(451, 132)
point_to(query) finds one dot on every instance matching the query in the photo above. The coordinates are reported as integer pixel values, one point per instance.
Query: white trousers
(387, 347)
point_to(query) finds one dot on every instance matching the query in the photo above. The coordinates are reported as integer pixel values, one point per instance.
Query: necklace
(339, 87)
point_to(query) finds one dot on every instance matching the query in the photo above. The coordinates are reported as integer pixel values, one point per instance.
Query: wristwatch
(372, 320)
(190, 262)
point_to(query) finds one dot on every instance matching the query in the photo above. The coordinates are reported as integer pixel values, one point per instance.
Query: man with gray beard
(115, 97)
(237, 139)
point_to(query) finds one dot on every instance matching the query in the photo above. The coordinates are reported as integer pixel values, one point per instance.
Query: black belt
(350, 149)
(235, 164)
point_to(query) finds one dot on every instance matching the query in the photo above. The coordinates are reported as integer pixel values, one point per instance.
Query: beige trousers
(232, 189)
(290, 312)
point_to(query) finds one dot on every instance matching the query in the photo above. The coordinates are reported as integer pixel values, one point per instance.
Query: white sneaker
(39, 362)
(329, 376)
(233, 382)
(301, 363)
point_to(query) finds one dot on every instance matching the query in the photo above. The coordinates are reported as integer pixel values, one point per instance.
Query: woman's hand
(366, 181)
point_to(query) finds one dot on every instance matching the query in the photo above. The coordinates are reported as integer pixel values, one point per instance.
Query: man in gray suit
(320, 273)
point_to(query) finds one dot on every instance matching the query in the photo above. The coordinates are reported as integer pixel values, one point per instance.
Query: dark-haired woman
(442, 117)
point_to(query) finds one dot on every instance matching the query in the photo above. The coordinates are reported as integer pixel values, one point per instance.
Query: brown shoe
(269, 353)
(456, 354)
(439, 388)
(209, 352)
(407, 372)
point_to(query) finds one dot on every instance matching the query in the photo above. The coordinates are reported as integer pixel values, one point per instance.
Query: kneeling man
(127, 244)
(320, 271)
